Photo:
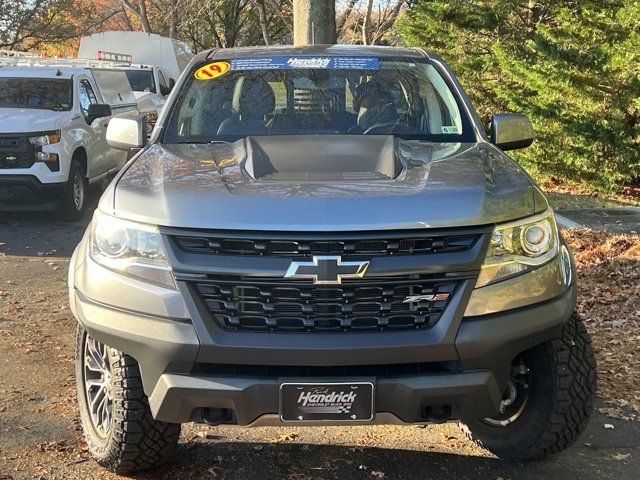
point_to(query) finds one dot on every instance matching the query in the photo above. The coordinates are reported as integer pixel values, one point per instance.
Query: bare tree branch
(278, 7)
(346, 13)
(140, 11)
(366, 24)
(264, 23)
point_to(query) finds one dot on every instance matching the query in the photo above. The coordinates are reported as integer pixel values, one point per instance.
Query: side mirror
(510, 131)
(172, 83)
(98, 110)
(127, 131)
(164, 90)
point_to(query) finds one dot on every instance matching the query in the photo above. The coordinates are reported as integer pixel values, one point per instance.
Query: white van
(53, 121)
(152, 63)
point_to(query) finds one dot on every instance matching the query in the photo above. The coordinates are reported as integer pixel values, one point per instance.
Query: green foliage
(32, 23)
(572, 66)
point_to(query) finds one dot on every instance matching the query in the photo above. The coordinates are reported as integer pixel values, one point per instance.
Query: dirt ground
(40, 437)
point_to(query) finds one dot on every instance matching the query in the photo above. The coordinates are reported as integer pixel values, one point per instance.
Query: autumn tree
(30, 23)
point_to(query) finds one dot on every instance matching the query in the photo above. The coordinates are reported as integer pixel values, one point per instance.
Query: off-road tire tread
(137, 442)
(575, 387)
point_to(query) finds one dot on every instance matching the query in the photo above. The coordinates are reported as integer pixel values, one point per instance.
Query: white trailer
(169, 55)
(152, 63)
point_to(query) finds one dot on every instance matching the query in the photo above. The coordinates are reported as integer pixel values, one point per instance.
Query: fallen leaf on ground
(287, 437)
(620, 456)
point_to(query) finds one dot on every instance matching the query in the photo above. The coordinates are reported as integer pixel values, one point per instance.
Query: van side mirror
(164, 90)
(98, 110)
(127, 131)
(510, 131)
(172, 83)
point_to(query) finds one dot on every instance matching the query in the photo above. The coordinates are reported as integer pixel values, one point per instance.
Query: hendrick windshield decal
(306, 62)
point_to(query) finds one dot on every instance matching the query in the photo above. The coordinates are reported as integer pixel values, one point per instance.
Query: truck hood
(148, 102)
(24, 120)
(322, 183)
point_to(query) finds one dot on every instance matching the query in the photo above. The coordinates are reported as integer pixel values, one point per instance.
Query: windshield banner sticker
(212, 70)
(288, 63)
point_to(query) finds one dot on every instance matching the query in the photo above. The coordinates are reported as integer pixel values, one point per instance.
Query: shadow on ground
(619, 220)
(31, 234)
(590, 458)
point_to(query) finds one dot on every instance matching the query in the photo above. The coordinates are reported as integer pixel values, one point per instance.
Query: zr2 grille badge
(437, 297)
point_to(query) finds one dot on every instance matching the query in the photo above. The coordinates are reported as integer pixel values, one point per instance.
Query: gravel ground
(40, 438)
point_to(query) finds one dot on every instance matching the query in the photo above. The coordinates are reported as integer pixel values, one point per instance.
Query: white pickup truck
(53, 120)
(150, 86)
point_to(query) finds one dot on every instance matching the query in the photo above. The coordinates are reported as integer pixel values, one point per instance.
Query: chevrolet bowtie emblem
(10, 158)
(326, 270)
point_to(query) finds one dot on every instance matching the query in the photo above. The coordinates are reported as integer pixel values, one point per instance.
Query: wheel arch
(80, 155)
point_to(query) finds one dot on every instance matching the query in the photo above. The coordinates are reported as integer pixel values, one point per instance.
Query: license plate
(300, 402)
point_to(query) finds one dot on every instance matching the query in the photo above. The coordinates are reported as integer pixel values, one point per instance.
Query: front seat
(375, 105)
(255, 102)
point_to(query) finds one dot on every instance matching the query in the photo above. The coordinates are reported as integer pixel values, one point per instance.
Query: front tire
(118, 426)
(549, 402)
(74, 201)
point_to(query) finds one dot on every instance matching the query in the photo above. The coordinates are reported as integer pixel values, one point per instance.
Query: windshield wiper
(199, 142)
(56, 107)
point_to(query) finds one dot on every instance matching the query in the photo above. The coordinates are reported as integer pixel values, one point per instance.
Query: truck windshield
(407, 97)
(141, 80)
(39, 93)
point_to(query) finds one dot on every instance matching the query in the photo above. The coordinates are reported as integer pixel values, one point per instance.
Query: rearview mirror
(510, 131)
(127, 131)
(98, 110)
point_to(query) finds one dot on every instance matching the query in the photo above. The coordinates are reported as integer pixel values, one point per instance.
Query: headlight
(519, 246)
(45, 139)
(131, 249)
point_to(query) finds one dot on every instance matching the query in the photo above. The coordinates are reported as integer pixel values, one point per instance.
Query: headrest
(256, 99)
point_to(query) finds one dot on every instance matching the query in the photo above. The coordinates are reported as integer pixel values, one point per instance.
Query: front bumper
(189, 365)
(26, 193)
(169, 352)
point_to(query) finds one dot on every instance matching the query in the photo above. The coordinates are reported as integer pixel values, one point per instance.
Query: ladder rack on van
(17, 54)
(25, 59)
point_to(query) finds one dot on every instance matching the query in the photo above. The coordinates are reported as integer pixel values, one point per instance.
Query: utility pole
(314, 22)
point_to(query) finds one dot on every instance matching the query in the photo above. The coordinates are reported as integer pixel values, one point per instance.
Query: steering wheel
(380, 128)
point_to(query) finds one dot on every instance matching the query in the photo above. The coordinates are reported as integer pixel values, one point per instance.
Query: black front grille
(346, 245)
(16, 152)
(374, 304)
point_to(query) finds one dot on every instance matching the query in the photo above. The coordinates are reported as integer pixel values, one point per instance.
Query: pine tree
(573, 67)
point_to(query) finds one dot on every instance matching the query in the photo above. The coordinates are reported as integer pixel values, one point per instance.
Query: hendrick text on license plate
(303, 402)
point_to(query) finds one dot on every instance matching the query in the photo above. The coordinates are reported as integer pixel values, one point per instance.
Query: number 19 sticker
(212, 70)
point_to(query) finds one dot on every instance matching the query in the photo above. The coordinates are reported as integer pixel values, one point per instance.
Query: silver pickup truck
(325, 236)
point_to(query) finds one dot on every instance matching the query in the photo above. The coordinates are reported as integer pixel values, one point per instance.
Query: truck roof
(133, 66)
(40, 72)
(326, 50)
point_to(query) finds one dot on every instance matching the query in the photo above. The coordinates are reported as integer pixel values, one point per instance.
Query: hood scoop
(321, 158)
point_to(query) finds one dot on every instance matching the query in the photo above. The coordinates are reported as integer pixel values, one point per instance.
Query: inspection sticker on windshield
(212, 70)
(305, 62)
(450, 129)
